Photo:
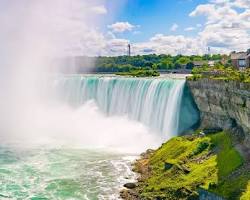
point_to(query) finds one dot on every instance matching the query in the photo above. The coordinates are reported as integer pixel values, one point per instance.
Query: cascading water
(154, 102)
(94, 126)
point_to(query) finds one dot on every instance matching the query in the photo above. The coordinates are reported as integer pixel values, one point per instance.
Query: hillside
(187, 165)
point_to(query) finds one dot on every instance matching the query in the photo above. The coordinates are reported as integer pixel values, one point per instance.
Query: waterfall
(154, 102)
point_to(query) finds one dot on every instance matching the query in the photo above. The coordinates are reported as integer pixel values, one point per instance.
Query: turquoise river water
(84, 146)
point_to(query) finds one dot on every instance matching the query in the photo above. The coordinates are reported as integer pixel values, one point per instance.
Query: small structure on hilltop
(199, 63)
(241, 60)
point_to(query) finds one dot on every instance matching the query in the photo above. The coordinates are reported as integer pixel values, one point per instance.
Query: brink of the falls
(162, 104)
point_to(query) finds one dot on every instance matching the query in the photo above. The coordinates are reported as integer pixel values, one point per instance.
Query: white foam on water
(85, 127)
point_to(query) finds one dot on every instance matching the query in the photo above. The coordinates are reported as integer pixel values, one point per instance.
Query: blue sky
(157, 16)
(178, 26)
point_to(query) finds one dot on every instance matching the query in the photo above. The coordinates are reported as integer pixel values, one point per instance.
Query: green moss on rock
(198, 162)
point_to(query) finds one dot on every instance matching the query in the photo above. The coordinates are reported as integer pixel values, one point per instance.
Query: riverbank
(213, 163)
(184, 166)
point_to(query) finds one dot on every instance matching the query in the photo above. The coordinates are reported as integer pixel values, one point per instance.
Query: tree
(190, 65)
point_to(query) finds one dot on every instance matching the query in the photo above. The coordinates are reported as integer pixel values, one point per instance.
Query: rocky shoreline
(141, 166)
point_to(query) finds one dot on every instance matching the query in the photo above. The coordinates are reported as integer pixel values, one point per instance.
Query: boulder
(130, 185)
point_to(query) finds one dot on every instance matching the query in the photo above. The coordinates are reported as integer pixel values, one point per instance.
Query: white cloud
(99, 9)
(190, 28)
(174, 27)
(120, 27)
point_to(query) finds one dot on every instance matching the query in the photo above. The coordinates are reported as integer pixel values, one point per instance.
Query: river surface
(41, 174)
(45, 145)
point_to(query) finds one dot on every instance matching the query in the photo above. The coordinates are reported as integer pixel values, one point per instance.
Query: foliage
(153, 61)
(194, 166)
(220, 72)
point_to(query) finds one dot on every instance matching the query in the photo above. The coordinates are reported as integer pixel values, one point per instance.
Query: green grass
(205, 168)
(246, 194)
(228, 159)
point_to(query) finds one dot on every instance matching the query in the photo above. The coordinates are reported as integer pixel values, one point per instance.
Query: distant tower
(129, 50)
(209, 51)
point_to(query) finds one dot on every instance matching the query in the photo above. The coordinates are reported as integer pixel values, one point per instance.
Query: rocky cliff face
(223, 105)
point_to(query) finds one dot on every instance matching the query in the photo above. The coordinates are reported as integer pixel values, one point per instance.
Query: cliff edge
(223, 105)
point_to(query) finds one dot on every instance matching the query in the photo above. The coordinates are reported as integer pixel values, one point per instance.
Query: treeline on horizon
(81, 64)
(153, 61)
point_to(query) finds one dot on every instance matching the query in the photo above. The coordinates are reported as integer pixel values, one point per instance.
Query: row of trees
(221, 72)
(156, 62)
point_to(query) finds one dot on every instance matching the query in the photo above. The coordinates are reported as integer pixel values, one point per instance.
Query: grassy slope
(246, 194)
(203, 162)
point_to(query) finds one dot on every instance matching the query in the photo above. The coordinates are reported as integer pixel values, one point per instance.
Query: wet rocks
(130, 185)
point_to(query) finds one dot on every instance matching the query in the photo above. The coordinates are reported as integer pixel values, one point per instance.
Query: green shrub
(201, 147)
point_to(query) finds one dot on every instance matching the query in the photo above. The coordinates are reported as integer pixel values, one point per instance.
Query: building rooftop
(239, 55)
